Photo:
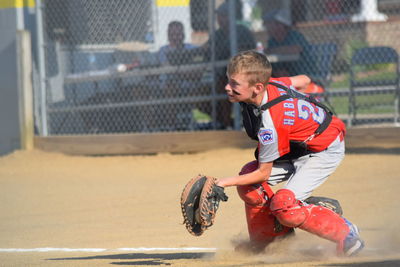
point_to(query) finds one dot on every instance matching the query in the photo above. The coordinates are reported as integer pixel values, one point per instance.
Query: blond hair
(253, 64)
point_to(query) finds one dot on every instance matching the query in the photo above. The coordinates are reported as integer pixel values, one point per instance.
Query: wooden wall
(134, 144)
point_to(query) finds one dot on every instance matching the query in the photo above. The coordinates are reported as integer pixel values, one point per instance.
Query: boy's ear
(259, 87)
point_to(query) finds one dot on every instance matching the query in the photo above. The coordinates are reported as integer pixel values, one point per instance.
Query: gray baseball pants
(305, 174)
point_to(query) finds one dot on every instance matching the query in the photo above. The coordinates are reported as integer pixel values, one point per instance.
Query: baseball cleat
(353, 244)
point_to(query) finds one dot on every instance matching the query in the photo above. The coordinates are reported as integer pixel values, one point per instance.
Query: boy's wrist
(220, 183)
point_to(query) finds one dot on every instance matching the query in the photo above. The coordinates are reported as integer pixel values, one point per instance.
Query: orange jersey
(293, 119)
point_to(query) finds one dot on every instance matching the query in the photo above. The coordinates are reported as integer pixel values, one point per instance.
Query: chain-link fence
(124, 66)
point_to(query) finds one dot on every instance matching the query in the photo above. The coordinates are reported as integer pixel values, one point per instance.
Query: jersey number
(306, 109)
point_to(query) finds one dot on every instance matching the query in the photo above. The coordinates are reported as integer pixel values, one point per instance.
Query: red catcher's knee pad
(286, 208)
(283, 199)
(314, 219)
(257, 194)
(249, 167)
(252, 194)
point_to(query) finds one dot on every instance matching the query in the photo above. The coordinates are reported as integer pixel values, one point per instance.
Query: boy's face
(238, 89)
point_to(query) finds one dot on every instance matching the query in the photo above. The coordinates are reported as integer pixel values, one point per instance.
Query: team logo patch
(266, 136)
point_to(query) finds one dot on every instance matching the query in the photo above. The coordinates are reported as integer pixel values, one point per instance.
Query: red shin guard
(325, 223)
(262, 225)
(314, 219)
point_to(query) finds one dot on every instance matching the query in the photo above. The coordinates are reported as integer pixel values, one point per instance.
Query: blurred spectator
(245, 38)
(176, 44)
(176, 52)
(283, 39)
(245, 41)
(181, 83)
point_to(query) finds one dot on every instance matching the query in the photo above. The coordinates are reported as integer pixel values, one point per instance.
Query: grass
(343, 80)
(371, 104)
(200, 117)
(377, 104)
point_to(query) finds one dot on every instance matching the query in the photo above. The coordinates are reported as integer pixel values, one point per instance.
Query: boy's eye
(233, 83)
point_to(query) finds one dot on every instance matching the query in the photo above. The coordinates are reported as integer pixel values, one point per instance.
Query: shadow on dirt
(144, 258)
(385, 263)
(156, 259)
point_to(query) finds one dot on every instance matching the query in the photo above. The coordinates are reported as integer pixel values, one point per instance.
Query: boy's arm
(258, 176)
(300, 82)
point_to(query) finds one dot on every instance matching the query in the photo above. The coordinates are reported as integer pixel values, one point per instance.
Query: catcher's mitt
(199, 202)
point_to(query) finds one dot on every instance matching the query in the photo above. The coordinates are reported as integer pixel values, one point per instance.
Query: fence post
(25, 89)
(234, 49)
(43, 129)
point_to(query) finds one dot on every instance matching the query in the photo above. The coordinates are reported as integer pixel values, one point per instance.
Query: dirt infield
(50, 200)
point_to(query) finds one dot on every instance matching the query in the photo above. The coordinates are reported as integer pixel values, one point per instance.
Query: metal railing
(106, 67)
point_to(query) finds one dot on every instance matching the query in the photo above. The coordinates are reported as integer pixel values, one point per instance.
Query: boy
(300, 142)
